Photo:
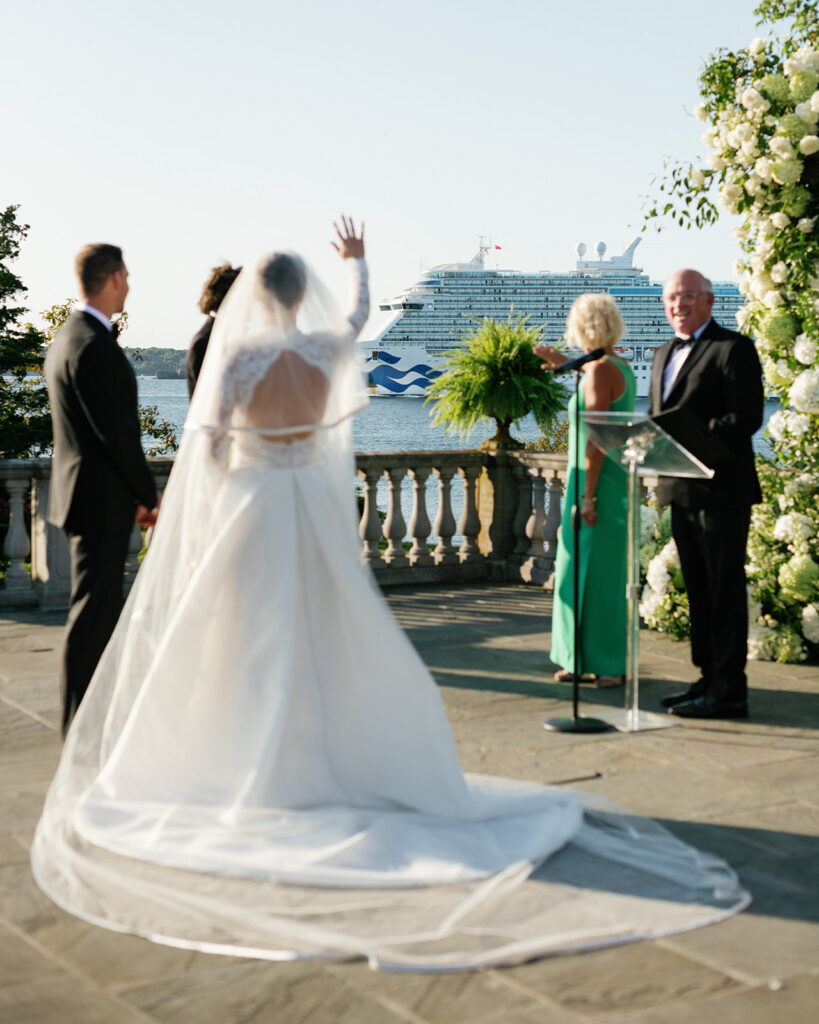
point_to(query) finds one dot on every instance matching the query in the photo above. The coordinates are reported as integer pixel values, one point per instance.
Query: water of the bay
(387, 424)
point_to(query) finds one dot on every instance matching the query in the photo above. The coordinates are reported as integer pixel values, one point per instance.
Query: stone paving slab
(747, 791)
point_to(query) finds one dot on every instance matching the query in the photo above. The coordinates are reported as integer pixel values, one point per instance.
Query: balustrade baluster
(419, 527)
(445, 553)
(369, 529)
(395, 529)
(18, 588)
(470, 524)
(523, 512)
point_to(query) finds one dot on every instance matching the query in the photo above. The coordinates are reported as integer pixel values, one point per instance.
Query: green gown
(602, 584)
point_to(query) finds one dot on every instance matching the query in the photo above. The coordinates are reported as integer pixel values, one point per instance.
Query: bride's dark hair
(285, 277)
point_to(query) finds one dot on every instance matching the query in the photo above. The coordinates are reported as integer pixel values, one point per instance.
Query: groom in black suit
(714, 375)
(100, 481)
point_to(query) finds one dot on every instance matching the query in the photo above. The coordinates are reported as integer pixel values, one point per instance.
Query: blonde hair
(594, 321)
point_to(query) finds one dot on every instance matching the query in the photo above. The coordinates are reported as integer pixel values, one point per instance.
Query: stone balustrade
(428, 516)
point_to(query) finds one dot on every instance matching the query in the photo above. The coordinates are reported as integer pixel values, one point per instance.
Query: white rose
(742, 315)
(806, 225)
(763, 168)
(777, 426)
(773, 299)
(700, 112)
(709, 137)
(779, 273)
(697, 178)
(756, 45)
(761, 284)
(810, 623)
(716, 163)
(780, 220)
(809, 144)
(730, 194)
(804, 350)
(813, 102)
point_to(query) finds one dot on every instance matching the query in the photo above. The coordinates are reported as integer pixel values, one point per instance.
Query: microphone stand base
(569, 723)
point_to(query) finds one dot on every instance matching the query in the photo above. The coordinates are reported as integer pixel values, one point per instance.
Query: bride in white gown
(263, 765)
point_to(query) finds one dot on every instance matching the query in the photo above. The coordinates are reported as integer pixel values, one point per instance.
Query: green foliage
(555, 438)
(496, 375)
(147, 361)
(25, 421)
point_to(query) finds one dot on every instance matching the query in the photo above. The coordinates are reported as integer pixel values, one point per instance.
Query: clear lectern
(645, 449)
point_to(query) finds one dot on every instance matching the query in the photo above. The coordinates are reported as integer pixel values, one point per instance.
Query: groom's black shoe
(707, 707)
(673, 699)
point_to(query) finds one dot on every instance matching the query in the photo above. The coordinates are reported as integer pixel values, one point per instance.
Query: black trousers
(712, 544)
(97, 566)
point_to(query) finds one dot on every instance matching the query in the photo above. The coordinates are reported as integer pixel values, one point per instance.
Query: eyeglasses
(681, 296)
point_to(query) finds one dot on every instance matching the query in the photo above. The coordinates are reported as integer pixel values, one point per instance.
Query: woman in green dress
(608, 384)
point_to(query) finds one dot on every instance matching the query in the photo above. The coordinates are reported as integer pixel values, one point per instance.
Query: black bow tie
(679, 342)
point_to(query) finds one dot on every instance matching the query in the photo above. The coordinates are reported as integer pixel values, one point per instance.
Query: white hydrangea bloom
(773, 299)
(778, 426)
(779, 273)
(813, 102)
(793, 526)
(810, 623)
(782, 147)
(763, 168)
(804, 392)
(716, 163)
(784, 371)
(806, 112)
(804, 350)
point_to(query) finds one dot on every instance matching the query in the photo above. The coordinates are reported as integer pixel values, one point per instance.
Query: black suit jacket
(98, 469)
(721, 384)
(196, 354)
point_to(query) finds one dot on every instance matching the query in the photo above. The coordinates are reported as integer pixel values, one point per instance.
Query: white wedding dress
(263, 765)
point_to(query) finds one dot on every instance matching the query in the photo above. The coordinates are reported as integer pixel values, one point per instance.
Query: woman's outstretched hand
(552, 357)
(352, 245)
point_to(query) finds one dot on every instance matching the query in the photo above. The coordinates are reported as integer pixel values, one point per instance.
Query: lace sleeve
(360, 296)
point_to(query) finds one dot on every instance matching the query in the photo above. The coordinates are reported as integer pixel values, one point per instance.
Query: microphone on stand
(575, 364)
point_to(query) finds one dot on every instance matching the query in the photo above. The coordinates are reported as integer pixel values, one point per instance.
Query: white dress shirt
(84, 307)
(677, 358)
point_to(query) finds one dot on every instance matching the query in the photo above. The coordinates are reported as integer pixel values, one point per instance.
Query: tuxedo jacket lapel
(696, 354)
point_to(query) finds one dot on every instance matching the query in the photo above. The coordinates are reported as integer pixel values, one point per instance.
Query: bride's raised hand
(352, 245)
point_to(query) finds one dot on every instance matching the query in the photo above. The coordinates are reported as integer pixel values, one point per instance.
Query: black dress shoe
(673, 699)
(707, 707)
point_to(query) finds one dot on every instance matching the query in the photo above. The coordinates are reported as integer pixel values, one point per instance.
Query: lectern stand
(646, 450)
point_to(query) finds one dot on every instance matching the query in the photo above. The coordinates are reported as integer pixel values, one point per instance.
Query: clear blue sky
(192, 133)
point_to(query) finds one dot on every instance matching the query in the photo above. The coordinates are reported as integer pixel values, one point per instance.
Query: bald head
(688, 300)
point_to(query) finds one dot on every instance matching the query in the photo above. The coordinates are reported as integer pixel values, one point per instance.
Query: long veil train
(263, 765)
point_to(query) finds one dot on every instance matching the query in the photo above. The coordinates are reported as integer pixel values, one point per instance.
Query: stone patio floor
(748, 791)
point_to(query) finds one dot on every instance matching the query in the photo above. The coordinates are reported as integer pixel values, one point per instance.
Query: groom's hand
(146, 516)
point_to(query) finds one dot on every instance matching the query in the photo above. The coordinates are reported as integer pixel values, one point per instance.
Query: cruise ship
(433, 315)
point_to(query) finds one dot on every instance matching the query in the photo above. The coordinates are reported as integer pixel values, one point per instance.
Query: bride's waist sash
(252, 451)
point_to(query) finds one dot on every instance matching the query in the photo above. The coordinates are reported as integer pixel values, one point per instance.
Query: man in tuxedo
(715, 376)
(216, 288)
(100, 481)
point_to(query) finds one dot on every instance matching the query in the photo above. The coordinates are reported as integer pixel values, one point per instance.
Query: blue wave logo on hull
(385, 374)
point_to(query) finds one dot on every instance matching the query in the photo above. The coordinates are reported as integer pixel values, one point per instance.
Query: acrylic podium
(635, 441)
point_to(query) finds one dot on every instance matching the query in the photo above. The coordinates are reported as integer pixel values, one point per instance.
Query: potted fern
(496, 375)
